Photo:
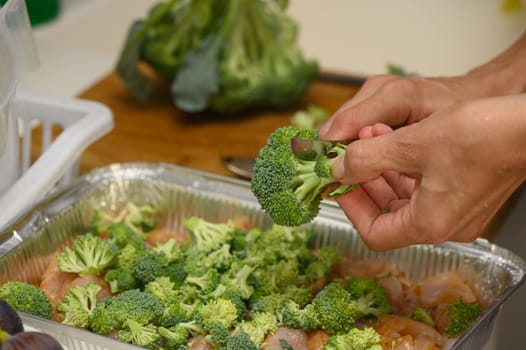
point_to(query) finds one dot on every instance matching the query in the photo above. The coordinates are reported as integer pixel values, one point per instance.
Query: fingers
(390, 102)
(379, 231)
(367, 159)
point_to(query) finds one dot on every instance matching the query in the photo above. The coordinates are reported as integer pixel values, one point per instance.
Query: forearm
(503, 75)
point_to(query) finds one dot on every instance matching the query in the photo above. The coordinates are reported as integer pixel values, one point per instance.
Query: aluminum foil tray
(27, 244)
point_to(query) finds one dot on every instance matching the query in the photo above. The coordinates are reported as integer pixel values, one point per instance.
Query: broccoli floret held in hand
(290, 189)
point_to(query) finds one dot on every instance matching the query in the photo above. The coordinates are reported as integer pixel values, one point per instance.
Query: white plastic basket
(82, 122)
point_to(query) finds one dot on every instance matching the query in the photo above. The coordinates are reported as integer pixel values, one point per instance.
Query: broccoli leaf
(198, 77)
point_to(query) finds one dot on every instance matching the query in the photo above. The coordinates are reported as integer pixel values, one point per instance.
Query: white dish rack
(82, 122)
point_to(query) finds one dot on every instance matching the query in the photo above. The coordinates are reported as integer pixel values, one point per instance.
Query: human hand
(395, 101)
(440, 179)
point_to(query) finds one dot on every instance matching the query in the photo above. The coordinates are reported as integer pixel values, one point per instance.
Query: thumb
(367, 159)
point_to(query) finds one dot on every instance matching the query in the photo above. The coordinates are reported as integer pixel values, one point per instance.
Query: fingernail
(338, 170)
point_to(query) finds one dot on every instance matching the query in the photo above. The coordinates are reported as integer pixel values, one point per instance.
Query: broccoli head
(175, 337)
(355, 339)
(25, 297)
(112, 312)
(261, 324)
(135, 333)
(207, 236)
(78, 303)
(89, 256)
(290, 189)
(335, 310)
(219, 310)
(462, 315)
(241, 341)
(148, 266)
(371, 298)
(121, 279)
(295, 317)
(140, 219)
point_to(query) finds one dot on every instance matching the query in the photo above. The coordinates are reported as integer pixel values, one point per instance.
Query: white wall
(430, 37)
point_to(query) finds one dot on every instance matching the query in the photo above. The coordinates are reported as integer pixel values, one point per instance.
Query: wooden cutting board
(158, 132)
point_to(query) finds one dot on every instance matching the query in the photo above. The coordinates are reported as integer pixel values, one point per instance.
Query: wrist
(503, 75)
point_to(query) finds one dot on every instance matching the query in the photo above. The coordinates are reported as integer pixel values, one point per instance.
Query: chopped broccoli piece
(335, 310)
(148, 266)
(207, 282)
(311, 118)
(241, 341)
(355, 339)
(78, 303)
(139, 219)
(261, 324)
(295, 317)
(112, 312)
(121, 279)
(207, 236)
(462, 315)
(290, 189)
(422, 315)
(89, 256)
(25, 297)
(171, 249)
(122, 235)
(236, 281)
(219, 310)
(371, 298)
(135, 333)
(175, 337)
(161, 288)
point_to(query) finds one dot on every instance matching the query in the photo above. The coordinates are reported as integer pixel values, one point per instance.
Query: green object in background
(41, 11)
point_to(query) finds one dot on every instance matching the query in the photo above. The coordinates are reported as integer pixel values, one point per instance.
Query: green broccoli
(462, 315)
(78, 303)
(163, 289)
(355, 339)
(224, 56)
(207, 282)
(121, 279)
(241, 341)
(112, 312)
(122, 235)
(219, 310)
(422, 315)
(207, 236)
(311, 118)
(261, 324)
(236, 280)
(175, 337)
(171, 249)
(371, 298)
(335, 310)
(89, 256)
(290, 189)
(179, 312)
(135, 333)
(25, 297)
(139, 219)
(148, 266)
(295, 317)
(217, 333)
